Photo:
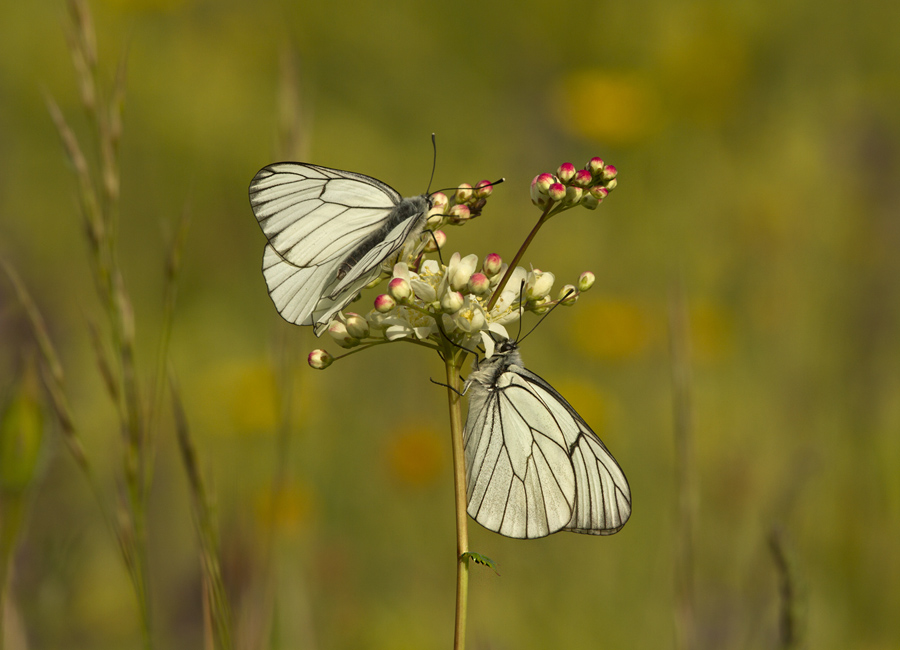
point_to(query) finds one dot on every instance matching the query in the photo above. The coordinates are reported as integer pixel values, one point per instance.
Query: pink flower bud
(609, 172)
(341, 336)
(582, 178)
(599, 192)
(492, 265)
(479, 284)
(399, 289)
(435, 241)
(483, 189)
(357, 326)
(557, 192)
(542, 182)
(439, 200)
(586, 281)
(540, 185)
(319, 359)
(463, 193)
(384, 303)
(566, 172)
(459, 213)
(611, 184)
(595, 166)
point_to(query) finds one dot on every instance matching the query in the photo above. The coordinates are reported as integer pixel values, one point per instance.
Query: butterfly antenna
(558, 302)
(521, 311)
(447, 189)
(433, 162)
(452, 342)
(437, 246)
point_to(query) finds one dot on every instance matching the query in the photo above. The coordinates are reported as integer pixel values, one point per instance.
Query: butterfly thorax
(490, 369)
(405, 210)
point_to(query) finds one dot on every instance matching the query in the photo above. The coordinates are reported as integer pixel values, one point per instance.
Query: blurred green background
(757, 148)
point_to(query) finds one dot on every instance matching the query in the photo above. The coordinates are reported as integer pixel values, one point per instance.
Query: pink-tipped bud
(439, 200)
(341, 336)
(582, 178)
(435, 241)
(595, 166)
(557, 192)
(540, 185)
(483, 189)
(566, 172)
(357, 326)
(384, 303)
(586, 281)
(451, 302)
(319, 359)
(463, 193)
(479, 284)
(609, 172)
(599, 192)
(573, 194)
(492, 265)
(611, 184)
(399, 289)
(459, 214)
(568, 295)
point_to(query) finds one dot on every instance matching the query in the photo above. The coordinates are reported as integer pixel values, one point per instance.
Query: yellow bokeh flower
(616, 108)
(416, 455)
(612, 329)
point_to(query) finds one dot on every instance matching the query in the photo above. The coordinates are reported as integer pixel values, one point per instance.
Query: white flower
(460, 270)
(404, 323)
(538, 284)
(451, 302)
(503, 311)
(470, 318)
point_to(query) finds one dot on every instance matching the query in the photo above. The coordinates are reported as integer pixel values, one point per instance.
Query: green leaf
(478, 558)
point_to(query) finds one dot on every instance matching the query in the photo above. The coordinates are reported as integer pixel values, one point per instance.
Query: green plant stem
(512, 265)
(453, 362)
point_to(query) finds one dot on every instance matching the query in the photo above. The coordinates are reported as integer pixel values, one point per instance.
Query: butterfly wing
(301, 292)
(329, 231)
(533, 465)
(313, 215)
(603, 496)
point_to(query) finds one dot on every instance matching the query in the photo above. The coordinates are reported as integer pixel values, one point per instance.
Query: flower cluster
(465, 203)
(430, 303)
(449, 302)
(570, 187)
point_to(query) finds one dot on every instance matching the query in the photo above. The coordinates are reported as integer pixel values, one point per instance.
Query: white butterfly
(329, 233)
(533, 465)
